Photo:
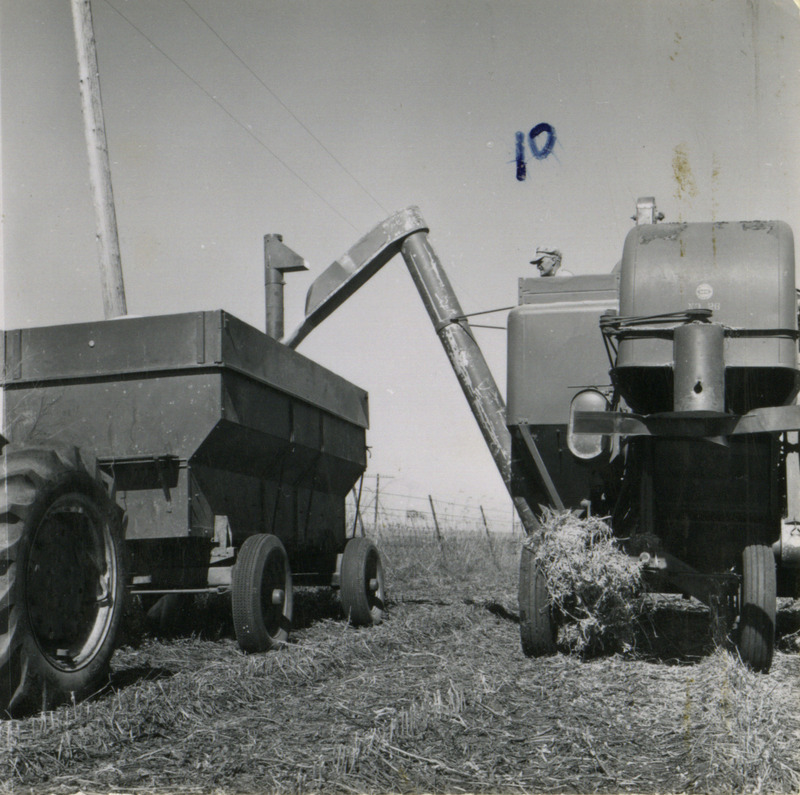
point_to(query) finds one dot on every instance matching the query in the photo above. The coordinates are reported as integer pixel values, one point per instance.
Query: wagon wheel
(537, 628)
(62, 588)
(362, 585)
(261, 593)
(757, 607)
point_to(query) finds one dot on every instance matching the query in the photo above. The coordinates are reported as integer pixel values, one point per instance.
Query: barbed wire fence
(374, 508)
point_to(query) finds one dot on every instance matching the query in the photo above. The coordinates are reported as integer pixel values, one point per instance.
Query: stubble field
(438, 698)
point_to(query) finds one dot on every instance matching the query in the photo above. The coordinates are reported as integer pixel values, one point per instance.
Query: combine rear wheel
(536, 626)
(261, 593)
(62, 587)
(757, 607)
(362, 586)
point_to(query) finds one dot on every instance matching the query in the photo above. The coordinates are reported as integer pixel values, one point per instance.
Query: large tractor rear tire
(362, 586)
(62, 587)
(757, 607)
(536, 626)
(261, 594)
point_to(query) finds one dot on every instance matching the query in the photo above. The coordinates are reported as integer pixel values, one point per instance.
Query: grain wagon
(168, 456)
(165, 457)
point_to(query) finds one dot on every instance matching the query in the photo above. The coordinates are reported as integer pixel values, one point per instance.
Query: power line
(285, 106)
(228, 113)
(247, 128)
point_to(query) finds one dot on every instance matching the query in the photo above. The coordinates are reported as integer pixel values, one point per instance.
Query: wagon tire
(62, 584)
(261, 594)
(757, 607)
(537, 628)
(362, 585)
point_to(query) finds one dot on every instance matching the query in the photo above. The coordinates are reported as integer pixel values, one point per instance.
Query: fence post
(489, 538)
(358, 517)
(436, 525)
(377, 496)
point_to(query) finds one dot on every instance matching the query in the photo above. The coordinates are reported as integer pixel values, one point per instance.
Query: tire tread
(758, 607)
(27, 476)
(537, 635)
(248, 621)
(353, 586)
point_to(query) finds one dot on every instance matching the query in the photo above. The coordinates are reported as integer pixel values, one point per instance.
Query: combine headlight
(587, 445)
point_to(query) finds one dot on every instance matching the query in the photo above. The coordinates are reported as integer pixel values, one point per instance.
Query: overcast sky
(316, 119)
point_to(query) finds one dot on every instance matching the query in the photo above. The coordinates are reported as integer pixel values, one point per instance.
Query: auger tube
(466, 359)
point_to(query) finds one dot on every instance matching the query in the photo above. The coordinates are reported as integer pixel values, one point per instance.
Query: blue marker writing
(549, 130)
(538, 152)
(522, 171)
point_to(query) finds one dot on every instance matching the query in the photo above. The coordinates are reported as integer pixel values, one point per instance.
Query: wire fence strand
(375, 511)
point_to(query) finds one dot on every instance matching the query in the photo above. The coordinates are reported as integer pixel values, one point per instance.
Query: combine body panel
(554, 354)
(744, 274)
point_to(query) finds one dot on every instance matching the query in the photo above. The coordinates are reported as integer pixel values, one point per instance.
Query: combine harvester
(661, 395)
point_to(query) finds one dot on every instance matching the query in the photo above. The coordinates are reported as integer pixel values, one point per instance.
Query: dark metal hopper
(197, 416)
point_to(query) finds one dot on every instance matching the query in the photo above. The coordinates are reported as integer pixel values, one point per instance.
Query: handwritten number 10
(538, 152)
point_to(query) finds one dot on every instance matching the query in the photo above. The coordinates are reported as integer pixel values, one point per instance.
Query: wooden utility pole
(114, 304)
